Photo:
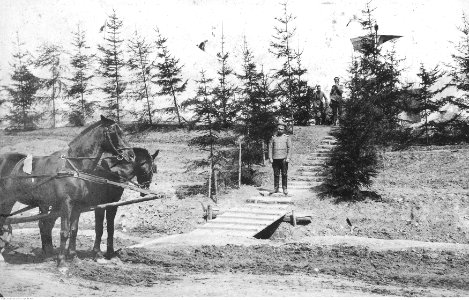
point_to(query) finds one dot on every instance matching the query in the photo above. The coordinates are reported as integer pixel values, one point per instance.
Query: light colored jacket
(280, 147)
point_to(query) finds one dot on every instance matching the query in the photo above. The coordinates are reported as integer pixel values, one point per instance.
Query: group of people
(280, 146)
(325, 111)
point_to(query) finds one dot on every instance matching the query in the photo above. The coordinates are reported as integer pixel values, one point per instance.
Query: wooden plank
(273, 200)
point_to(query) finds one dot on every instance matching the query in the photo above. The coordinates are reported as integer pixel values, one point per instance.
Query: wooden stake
(263, 153)
(215, 185)
(239, 162)
(210, 181)
(209, 212)
(293, 218)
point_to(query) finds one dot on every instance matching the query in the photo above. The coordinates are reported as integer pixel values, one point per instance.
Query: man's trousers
(280, 166)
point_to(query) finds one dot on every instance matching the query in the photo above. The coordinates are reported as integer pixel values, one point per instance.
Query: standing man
(280, 147)
(321, 104)
(336, 101)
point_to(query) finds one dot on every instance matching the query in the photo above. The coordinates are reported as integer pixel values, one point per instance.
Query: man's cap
(336, 78)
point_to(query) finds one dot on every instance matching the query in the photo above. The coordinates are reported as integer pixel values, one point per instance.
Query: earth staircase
(255, 217)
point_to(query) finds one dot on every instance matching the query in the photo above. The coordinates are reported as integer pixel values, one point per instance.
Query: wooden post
(293, 218)
(215, 185)
(263, 153)
(209, 212)
(210, 181)
(239, 162)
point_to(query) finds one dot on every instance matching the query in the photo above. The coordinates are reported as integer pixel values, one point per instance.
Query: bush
(75, 118)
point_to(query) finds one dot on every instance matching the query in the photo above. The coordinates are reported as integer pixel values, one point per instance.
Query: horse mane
(85, 131)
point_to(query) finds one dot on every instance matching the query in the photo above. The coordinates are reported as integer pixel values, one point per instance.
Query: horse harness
(76, 173)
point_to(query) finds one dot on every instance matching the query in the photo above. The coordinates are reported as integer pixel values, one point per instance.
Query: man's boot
(284, 184)
(276, 184)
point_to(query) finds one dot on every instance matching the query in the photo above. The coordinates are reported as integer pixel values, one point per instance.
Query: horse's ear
(155, 154)
(106, 121)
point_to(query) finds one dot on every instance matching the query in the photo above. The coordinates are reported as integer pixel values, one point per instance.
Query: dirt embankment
(423, 197)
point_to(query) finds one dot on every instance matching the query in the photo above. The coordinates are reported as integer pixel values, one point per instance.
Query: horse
(51, 185)
(143, 168)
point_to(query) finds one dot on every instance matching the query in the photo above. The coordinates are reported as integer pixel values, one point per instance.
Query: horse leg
(45, 228)
(98, 229)
(110, 217)
(64, 230)
(5, 230)
(72, 245)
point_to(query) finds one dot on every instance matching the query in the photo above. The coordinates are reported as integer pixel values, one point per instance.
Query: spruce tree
(142, 68)
(22, 91)
(205, 114)
(257, 115)
(169, 77)
(370, 116)
(224, 92)
(459, 70)
(426, 95)
(51, 57)
(79, 88)
(282, 49)
(301, 100)
(112, 64)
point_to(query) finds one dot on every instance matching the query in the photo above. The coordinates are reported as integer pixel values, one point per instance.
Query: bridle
(117, 151)
(146, 174)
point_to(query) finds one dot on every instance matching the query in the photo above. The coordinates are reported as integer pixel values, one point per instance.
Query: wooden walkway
(248, 220)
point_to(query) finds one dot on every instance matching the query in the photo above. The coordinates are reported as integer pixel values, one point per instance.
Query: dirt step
(308, 173)
(317, 158)
(295, 184)
(267, 200)
(308, 178)
(326, 146)
(320, 154)
(314, 164)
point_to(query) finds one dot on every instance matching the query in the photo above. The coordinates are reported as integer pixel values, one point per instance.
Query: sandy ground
(411, 242)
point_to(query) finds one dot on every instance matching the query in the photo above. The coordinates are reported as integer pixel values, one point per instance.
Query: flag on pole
(358, 42)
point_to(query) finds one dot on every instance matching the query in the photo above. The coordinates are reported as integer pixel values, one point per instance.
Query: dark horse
(66, 195)
(143, 168)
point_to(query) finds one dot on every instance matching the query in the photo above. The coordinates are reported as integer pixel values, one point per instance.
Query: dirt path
(320, 266)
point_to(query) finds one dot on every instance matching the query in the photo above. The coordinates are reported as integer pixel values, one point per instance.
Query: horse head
(143, 167)
(104, 136)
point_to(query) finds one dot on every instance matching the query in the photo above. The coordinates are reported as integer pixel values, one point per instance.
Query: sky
(322, 33)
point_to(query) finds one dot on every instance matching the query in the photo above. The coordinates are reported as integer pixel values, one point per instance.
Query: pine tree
(281, 47)
(301, 100)
(224, 92)
(257, 114)
(142, 68)
(169, 77)
(427, 104)
(81, 107)
(112, 64)
(22, 91)
(370, 116)
(205, 113)
(459, 70)
(51, 57)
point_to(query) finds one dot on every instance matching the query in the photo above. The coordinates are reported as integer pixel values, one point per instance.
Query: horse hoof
(102, 261)
(116, 260)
